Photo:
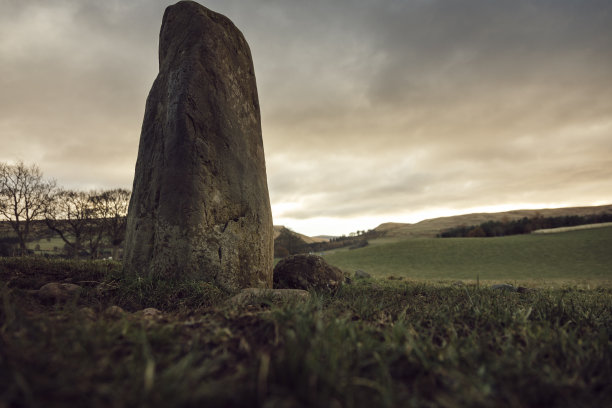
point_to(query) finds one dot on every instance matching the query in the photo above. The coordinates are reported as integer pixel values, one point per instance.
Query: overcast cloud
(372, 111)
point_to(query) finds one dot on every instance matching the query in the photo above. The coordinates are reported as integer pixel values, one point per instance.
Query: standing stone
(200, 207)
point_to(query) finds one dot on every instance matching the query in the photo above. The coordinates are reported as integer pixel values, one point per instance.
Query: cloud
(369, 108)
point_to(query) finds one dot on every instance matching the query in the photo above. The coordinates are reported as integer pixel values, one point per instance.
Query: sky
(372, 110)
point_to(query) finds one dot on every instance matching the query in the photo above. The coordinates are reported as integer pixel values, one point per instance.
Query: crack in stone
(227, 222)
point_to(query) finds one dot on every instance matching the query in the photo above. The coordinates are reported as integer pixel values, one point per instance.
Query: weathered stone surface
(307, 272)
(200, 207)
(59, 291)
(251, 296)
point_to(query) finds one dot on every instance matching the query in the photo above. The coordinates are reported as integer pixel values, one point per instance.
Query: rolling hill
(431, 227)
(305, 238)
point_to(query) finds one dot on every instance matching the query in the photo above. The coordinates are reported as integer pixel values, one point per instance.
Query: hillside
(305, 238)
(579, 254)
(429, 228)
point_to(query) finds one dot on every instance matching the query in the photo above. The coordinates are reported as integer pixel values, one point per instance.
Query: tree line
(524, 225)
(84, 220)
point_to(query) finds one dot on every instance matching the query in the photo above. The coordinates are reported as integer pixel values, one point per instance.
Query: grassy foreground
(583, 254)
(374, 343)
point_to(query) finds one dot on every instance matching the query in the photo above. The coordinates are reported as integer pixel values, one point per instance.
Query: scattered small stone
(151, 313)
(359, 274)
(87, 313)
(114, 312)
(59, 291)
(503, 286)
(307, 272)
(251, 296)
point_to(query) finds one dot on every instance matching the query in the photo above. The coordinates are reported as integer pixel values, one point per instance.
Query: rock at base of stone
(252, 296)
(307, 272)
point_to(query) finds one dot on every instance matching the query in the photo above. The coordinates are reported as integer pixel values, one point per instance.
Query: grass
(577, 227)
(104, 284)
(584, 254)
(373, 343)
(51, 244)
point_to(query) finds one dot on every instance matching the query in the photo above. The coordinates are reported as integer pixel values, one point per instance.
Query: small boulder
(504, 286)
(151, 313)
(252, 296)
(307, 272)
(359, 274)
(58, 291)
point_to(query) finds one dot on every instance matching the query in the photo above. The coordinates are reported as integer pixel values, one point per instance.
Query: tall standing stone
(200, 207)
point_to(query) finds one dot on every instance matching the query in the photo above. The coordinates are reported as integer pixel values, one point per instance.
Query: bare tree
(111, 208)
(73, 216)
(24, 195)
(84, 220)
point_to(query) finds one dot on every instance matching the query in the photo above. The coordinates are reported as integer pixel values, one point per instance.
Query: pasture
(418, 341)
(578, 256)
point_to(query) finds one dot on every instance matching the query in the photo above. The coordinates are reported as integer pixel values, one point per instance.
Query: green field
(575, 255)
(374, 343)
(52, 244)
(415, 341)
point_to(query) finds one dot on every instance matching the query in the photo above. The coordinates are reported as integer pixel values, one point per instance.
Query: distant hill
(305, 238)
(431, 227)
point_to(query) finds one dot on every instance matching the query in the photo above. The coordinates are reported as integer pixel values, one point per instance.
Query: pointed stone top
(184, 25)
